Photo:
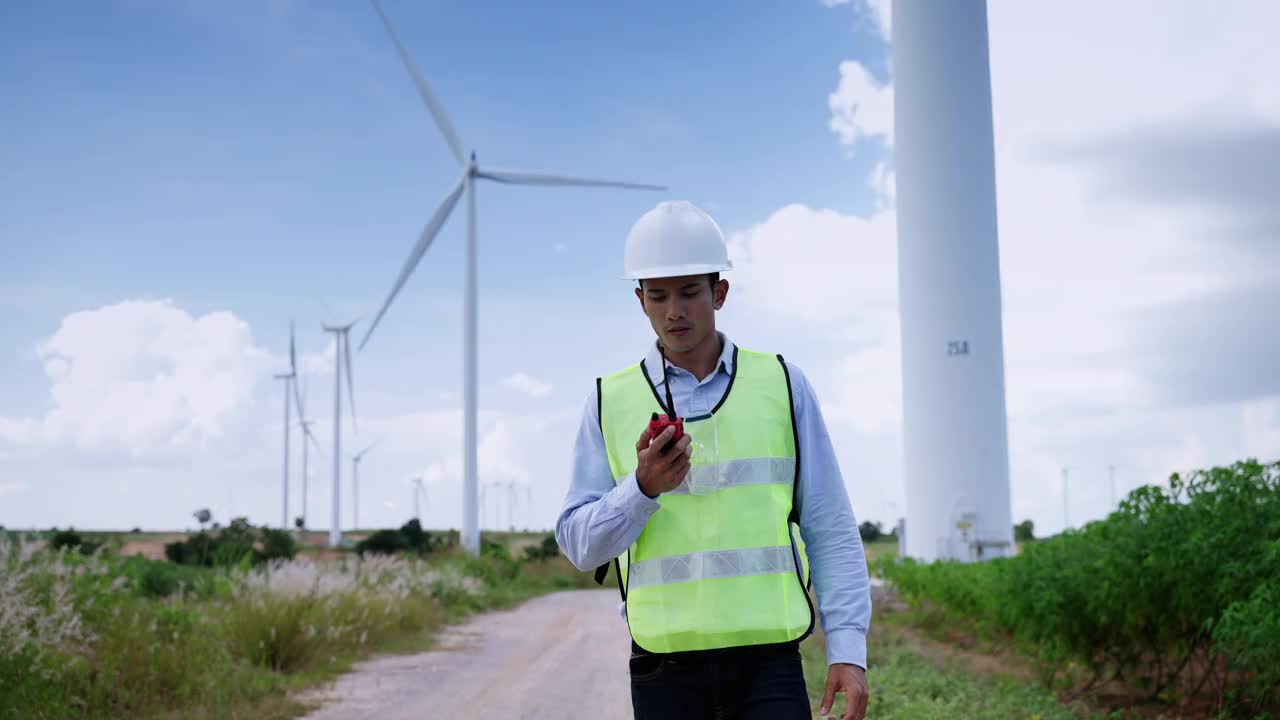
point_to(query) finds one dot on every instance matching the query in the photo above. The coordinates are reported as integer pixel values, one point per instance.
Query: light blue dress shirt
(601, 519)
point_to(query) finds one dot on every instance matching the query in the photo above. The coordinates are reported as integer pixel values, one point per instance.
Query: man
(702, 531)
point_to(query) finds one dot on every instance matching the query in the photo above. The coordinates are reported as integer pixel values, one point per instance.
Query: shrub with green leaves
(236, 544)
(545, 550)
(1177, 591)
(410, 538)
(64, 539)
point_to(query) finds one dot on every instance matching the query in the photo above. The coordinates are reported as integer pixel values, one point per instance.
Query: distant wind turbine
(355, 483)
(290, 393)
(419, 491)
(307, 435)
(1066, 517)
(341, 357)
(465, 184)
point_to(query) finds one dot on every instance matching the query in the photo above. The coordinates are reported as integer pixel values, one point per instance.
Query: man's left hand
(852, 681)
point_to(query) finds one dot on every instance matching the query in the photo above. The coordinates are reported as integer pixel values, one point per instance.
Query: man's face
(682, 310)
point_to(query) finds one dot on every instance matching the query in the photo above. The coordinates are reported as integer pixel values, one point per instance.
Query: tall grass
(104, 637)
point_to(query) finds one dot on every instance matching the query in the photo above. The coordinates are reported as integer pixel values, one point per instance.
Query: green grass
(109, 637)
(880, 548)
(903, 686)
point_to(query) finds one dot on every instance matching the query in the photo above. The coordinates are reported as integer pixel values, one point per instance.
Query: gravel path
(557, 657)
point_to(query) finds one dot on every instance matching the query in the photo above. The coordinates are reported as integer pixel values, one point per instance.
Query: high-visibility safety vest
(723, 567)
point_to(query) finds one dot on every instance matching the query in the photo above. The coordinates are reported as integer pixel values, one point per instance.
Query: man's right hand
(660, 472)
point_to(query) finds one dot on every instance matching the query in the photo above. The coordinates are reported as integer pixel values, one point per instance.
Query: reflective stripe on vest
(736, 473)
(721, 563)
(712, 565)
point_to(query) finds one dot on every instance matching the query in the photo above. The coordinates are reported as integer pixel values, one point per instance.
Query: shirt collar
(653, 361)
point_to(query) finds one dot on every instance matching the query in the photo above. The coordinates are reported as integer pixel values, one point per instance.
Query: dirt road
(558, 657)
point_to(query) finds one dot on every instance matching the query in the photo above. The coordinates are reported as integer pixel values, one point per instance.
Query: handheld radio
(658, 423)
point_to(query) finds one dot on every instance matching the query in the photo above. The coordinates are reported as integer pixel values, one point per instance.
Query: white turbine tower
(341, 358)
(466, 183)
(419, 491)
(355, 483)
(307, 437)
(955, 439)
(290, 393)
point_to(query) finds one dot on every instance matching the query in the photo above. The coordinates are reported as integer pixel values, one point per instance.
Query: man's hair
(712, 277)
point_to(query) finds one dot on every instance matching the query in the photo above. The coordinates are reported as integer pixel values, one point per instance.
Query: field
(108, 635)
(1170, 607)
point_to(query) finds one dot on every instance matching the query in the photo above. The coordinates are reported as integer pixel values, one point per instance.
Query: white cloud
(1082, 265)
(885, 186)
(527, 385)
(502, 462)
(18, 431)
(818, 267)
(498, 454)
(12, 488)
(144, 378)
(875, 12)
(861, 107)
(319, 363)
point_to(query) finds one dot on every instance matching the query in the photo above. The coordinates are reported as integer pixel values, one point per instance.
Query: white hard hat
(674, 239)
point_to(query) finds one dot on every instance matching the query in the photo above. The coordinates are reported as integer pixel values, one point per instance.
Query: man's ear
(640, 297)
(720, 293)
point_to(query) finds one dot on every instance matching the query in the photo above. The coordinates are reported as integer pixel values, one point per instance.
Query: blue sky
(260, 157)
(260, 161)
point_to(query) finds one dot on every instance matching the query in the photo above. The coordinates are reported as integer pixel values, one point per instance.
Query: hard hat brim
(677, 271)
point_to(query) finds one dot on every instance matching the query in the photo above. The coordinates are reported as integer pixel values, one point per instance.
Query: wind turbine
(419, 490)
(1111, 480)
(341, 353)
(290, 393)
(510, 487)
(305, 424)
(355, 483)
(471, 172)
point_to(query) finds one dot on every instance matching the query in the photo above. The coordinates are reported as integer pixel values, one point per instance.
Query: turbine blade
(437, 110)
(293, 354)
(424, 241)
(517, 177)
(351, 388)
(370, 446)
(297, 397)
(310, 435)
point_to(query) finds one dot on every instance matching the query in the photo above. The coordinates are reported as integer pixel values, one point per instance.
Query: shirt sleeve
(600, 519)
(830, 531)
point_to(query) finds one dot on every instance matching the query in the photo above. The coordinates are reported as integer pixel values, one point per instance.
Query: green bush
(71, 539)
(236, 544)
(1248, 637)
(1024, 531)
(384, 542)
(158, 579)
(1165, 591)
(409, 538)
(548, 549)
(278, 545)
(870, 531)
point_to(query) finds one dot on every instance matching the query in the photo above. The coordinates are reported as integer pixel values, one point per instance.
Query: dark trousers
(732, 684)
